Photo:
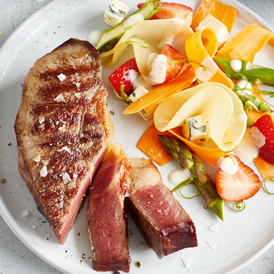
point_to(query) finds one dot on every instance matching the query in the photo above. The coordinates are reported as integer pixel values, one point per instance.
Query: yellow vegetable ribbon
(152, 33)
(220, 106)
(200, 47)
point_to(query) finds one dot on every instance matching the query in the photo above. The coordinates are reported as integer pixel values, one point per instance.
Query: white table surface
(15, 257)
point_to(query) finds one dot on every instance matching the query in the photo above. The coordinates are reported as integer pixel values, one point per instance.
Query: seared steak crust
(62, 129)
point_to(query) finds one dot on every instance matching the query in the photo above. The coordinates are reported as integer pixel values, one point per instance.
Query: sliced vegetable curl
(269, 178)
(233, 149)
(123, 95)
(183, 184)
(239, 206)
(128, 44)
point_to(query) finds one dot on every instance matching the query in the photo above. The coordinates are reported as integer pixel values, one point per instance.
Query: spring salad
(202, 89)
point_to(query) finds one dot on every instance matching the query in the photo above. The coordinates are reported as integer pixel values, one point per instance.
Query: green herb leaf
(128, 44)
(229, 151)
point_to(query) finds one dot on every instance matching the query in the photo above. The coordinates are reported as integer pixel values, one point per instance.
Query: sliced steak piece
(63, 128)
(163, 223)
(107, 222)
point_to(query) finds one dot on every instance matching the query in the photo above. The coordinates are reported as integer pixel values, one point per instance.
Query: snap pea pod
(252, 101)
(256, 75)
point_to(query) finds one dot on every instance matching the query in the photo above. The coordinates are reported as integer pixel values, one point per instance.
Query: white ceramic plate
(241, 238)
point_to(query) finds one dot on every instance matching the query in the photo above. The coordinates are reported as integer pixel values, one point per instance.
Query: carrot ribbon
(224, 13)
(247, 43)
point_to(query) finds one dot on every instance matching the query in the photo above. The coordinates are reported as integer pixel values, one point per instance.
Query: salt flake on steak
(65, 148)
(66, 178)
(44, 171)
(62, 77)
(60, 98)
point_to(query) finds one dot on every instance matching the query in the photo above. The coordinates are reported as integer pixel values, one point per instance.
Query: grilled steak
(107, 227)
(62, 129)
(163, 223)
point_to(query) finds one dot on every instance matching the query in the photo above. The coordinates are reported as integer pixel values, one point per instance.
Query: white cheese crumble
(41, 119)
(257, 137)
(212, 245)
(236, 65)
(196, 129)
(78, 94)
(217, 26)
(214, 228)
(115, 13)
(25, 213)
(37, 158)
(179, 175)
(94, 37)
(66, 149)
(136, 94)
(228, 165)
(159, 69)
(60, 98)
(133, 19)
(43, 171)
(66, 178)
(61, 77)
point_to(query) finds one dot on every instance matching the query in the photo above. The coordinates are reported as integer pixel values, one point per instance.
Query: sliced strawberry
(238, 186)
(121, 77)
(172, 55)
(172, 10)
(266, 128)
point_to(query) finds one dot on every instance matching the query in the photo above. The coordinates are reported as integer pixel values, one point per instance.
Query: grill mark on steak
(61, 120)
(69, 91)
(51, 75)
(61, 143)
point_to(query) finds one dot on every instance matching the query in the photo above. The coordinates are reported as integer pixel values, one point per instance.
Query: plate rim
(4, 210)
